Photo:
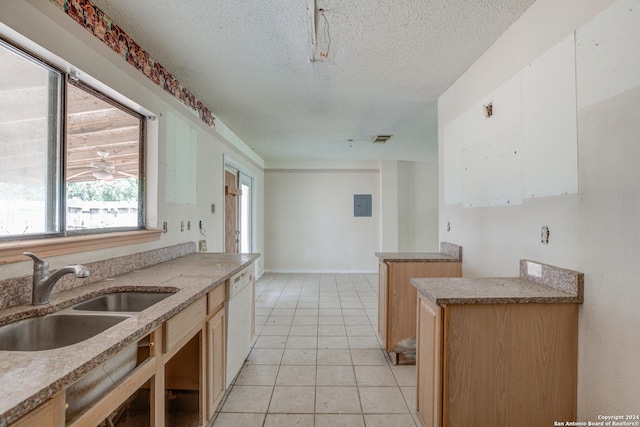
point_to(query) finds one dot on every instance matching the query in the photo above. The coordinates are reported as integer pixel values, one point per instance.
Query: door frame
(231, 198)
(230, 162)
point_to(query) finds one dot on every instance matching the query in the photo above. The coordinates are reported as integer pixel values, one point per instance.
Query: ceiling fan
(102, 169)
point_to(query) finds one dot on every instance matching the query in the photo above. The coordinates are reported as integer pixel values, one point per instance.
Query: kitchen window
(102, 163)
(71, 158)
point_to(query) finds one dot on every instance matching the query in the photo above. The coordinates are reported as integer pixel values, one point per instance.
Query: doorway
(238, 208)
(246, 209)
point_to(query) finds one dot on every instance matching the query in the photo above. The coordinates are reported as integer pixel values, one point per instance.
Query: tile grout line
(340, 290)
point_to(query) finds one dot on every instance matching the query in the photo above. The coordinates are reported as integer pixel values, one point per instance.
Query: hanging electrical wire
(325, 44)
(320, 36)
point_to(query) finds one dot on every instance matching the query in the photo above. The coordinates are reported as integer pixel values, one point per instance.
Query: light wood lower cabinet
(383, 303)
(178, 379)
(216, 353)
(429, 363)
(180, 327)
(496, 364)
(397, 301)
(216, 350)
(49, 414)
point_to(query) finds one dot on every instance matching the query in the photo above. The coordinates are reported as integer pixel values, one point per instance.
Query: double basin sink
(78, 323)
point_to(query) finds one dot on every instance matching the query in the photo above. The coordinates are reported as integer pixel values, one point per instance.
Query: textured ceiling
(388, 61)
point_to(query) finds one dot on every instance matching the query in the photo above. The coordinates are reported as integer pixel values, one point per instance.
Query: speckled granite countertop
(448, 253)
(538, 283)
(415, 257)
(29, 378)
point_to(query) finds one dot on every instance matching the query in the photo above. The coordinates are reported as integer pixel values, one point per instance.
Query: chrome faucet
(43, 282)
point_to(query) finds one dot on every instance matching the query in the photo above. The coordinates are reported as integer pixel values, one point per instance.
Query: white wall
(389, 206)
(44, 24)
(595, 232)
(309, 222)
(418, 207)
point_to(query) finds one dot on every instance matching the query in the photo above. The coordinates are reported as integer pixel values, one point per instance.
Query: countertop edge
(449, 252)
(442, 301)
(419, 257)
(458, 300)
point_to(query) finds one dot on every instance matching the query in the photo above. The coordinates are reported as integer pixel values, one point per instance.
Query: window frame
(57, 186)
(68, 80)
(62, 241)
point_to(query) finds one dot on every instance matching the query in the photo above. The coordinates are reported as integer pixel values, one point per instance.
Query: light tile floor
(317, 361)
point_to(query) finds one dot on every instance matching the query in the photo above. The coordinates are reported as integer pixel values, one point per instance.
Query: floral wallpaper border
(92, 18)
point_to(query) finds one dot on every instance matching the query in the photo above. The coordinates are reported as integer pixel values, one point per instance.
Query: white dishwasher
(239, 306)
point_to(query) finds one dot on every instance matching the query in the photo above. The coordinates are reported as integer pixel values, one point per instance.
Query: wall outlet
(202, 245)
(544, 235)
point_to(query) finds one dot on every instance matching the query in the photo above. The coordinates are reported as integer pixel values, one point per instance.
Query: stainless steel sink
(123, 301)
(53, 331)
(65, 328)
(78, 323)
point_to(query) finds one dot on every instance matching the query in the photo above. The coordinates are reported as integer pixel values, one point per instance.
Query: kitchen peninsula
(499, 351)
(397, 298)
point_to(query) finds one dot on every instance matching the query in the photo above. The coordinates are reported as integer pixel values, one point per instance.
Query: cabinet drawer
(178, 326)
(215, 299)
(239, 281)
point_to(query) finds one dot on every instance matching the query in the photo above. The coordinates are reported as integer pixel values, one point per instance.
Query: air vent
(381, 139)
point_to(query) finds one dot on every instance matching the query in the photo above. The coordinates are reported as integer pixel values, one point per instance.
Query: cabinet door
(429, 368)
(216, 367)
(382, 302)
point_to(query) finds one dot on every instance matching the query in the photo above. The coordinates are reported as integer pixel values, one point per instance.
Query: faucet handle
(38, 263)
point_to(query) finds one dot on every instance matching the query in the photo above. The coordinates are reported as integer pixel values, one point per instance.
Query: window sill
(12, 251)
